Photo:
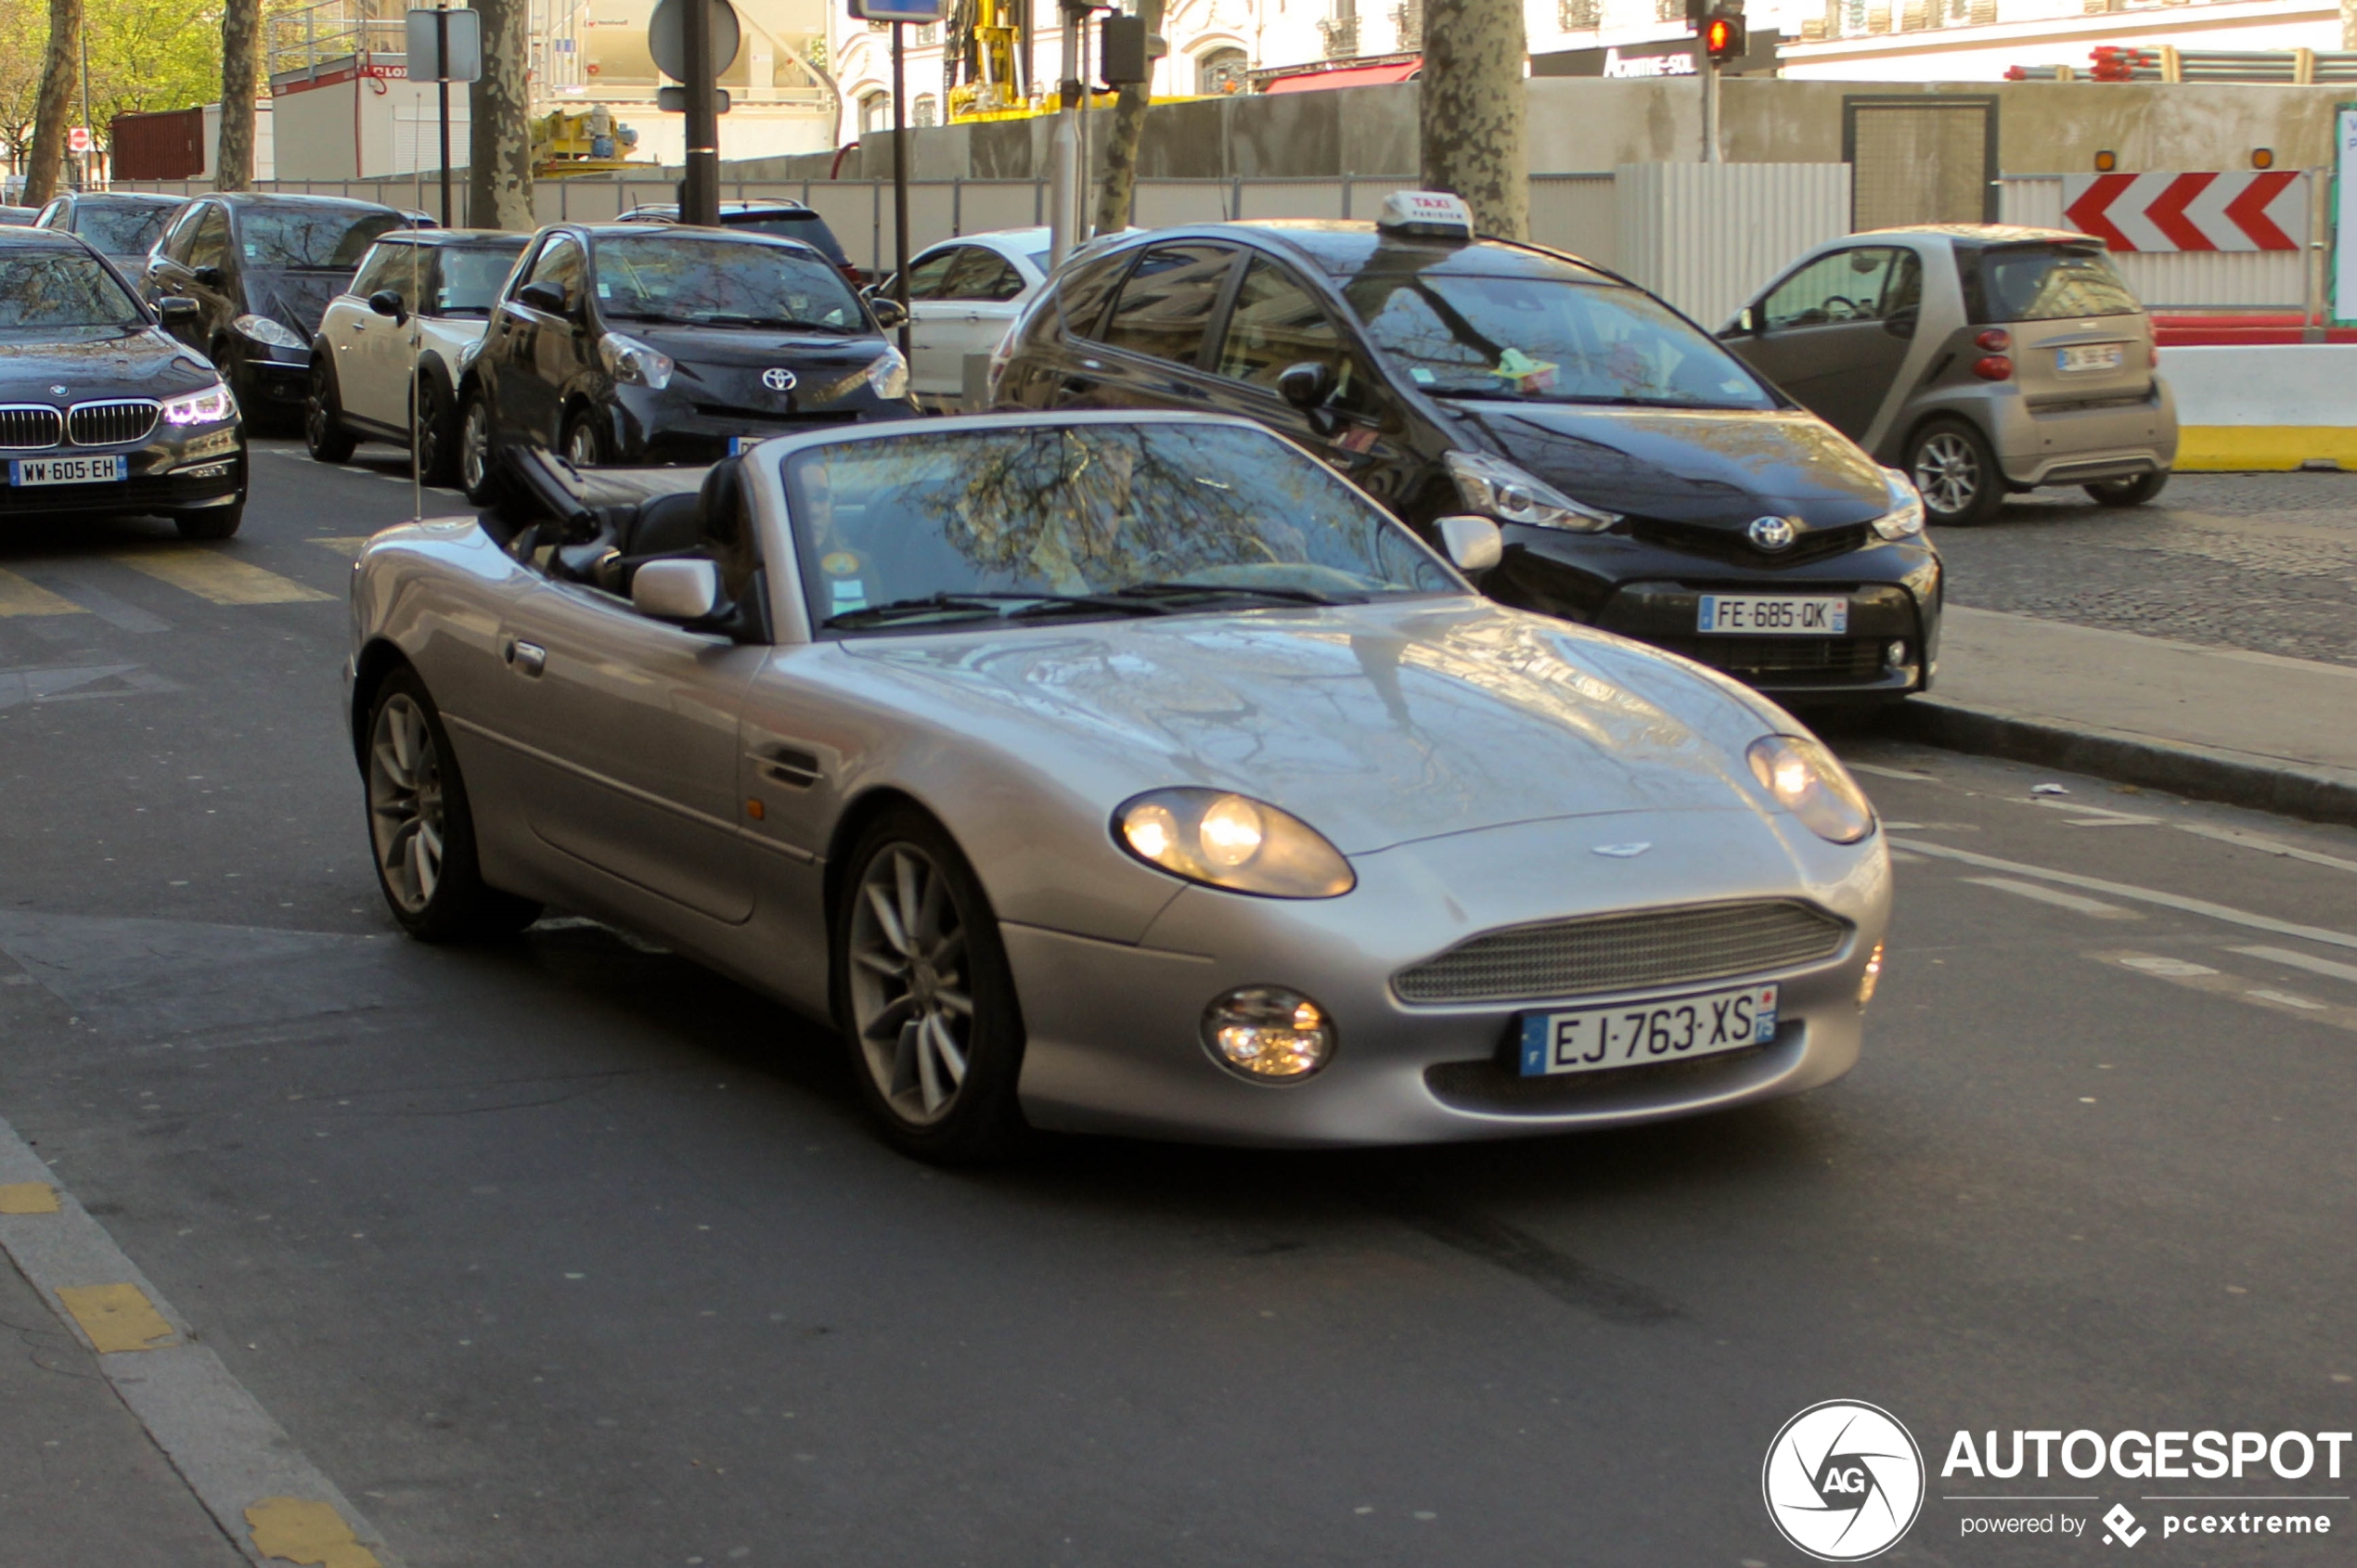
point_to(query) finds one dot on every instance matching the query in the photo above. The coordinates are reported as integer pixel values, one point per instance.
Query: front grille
(1826, 659)
(1730, 545)
(29, 427)
(112, 424)
(1604, 953)
(785, 417)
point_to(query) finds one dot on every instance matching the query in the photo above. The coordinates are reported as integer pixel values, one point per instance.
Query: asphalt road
(567, 1253)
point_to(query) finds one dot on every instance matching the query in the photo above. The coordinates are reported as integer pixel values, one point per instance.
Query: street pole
(700, 192)
(1063, 148)
(92, 131)
(900, 177)
(442, 85)
(1710, 107)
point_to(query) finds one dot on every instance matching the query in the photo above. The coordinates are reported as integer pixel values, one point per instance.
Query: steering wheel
(1848, 309)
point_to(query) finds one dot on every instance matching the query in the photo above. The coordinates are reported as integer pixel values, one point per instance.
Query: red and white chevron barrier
(2263, 211)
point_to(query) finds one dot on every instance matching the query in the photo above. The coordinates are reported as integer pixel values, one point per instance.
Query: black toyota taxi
(1645, 480)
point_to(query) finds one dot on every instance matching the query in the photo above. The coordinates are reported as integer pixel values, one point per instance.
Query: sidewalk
(2253, 728)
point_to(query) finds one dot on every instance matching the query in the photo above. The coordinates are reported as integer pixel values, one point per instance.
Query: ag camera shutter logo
(1844, 1481)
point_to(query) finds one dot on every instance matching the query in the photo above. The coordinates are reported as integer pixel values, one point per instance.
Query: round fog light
(1896, 654)
(1268, 1031)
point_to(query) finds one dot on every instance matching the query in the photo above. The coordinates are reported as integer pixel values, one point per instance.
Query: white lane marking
(2201, 977)
(2179, 969)
(2266, 845)
(2082, 815)
(2284, 956)
(2288, 999)
(223, 1443)
(2057, 898)
(2202, 906)
(1881, 772)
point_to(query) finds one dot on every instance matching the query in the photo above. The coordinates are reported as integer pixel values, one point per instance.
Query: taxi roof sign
(1435, 212)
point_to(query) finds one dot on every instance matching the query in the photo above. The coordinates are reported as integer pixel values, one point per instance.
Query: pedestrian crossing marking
(209, 574)
(346, 545)
(21, 597)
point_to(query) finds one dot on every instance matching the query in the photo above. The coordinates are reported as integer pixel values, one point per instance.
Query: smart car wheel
(582, 449)
(1956, 472)
(323, 429)
(435, 435)
(420, 829)
(2128, 491)
(475, 470)
(925, 998)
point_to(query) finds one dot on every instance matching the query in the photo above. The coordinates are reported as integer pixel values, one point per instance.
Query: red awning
(1346, 76)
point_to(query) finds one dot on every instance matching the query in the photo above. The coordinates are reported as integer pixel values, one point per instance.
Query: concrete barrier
(2264, 406)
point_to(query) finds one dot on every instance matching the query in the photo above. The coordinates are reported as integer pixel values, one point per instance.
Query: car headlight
(632, 363)
(1905, 518)
(1806, 780)
(1268, 1032)
(888, 377)
(1226, 841)
(207, 406)
(1496, 488)
(274, 334)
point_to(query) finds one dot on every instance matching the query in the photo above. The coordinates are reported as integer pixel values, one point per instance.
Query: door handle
(526, 657)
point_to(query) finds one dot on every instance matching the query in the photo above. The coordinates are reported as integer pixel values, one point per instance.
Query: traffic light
(1723, 36)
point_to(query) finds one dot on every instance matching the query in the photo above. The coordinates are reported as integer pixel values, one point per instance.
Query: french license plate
(740, 445)
(1772, 615)
(25, 471)
(1595, 1039)
(2088, 356)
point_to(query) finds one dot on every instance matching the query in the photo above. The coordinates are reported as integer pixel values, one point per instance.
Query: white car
(963, 294)
(419, 300)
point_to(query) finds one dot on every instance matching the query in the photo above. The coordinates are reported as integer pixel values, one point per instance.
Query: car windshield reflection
(705, 281)
(54, 289)
(1085, 519)
(311, 238)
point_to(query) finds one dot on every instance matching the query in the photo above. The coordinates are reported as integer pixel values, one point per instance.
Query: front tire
(583, 448)
(421, 828)
(436, 434)
(323, 429)
(1952, 465)
(925, 995)
(478, 461)
(2129, 491)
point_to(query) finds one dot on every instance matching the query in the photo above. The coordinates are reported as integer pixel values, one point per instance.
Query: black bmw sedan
(101, 409)
(654, 343)
(1645, 480)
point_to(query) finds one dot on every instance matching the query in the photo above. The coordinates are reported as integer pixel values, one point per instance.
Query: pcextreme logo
(1843, 1480)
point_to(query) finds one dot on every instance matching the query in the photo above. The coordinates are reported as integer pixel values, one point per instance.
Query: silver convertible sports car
(1117, 773)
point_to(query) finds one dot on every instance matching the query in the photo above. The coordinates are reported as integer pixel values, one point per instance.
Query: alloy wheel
(1947, 472)
(474, 444)
(317, 416)
(581, 446)
(405, 816)
(911, 998)
(428, 434)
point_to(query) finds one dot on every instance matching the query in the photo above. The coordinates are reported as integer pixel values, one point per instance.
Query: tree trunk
(1128, 129)
(54, 107)
(240, 79)
(499, 142)
(1470, 111)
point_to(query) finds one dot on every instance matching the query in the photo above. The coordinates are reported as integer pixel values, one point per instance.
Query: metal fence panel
(1292, 198)
(1575, 212)
(1704, 236)
(1163, 202)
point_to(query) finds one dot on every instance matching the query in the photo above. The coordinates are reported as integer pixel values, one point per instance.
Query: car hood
(1378, 725)
(1711, 467)
(296, 299)
(750, 349)
(95, 361)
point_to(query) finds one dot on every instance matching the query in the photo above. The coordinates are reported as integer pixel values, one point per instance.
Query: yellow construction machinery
(588, 140)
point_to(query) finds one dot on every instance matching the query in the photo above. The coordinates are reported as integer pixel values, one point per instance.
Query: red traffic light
(1723, 37)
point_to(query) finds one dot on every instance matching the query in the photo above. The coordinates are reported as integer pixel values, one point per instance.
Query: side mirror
(545, 297)
(1474, 544)
(887, 311)
(210, 278)
(675, 590)
(177, 310)
(1307, 385)
(387, 303)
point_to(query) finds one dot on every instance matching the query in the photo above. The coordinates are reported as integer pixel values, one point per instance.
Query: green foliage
(144, 55)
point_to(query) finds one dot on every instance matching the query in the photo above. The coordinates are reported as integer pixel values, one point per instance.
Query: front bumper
(674, 425)
(171, 470)
(1652, 594)
(277, 383)
(1414, 1074)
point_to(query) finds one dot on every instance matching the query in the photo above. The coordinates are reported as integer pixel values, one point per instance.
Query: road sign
(674, 100)
(897, 10)
(2190, 211)
(670, 50)
(424, 41)
(78, 139)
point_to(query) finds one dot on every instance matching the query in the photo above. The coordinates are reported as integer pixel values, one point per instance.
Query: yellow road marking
(209, 574)
(28, 1198)
(346, 545)
(295, 1530)
(18, 597)
(115, 1318)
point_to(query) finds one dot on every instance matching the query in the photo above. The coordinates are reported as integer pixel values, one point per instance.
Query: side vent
(790, 766)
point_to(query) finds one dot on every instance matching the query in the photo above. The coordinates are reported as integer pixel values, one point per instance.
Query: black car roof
(766, 204)
(24, 237)
(242, 199)
(121, 198)
(618, 230)
(484, 237)
(1343, 249)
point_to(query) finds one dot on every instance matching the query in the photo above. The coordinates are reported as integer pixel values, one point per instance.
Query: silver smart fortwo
(1121, 773)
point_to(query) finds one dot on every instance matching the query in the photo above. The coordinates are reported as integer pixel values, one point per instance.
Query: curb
(2319, 794)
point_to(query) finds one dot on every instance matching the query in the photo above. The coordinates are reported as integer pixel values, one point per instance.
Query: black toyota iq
(628, 343)
(1644, 479)
(101, 410)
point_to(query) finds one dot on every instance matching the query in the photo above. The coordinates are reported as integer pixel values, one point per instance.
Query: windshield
(2047, 283)
(311, 238)
(469, 279)
(1176, 516)
(62, 289)
(699, 278)
(1545, 340)
(127, 229)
